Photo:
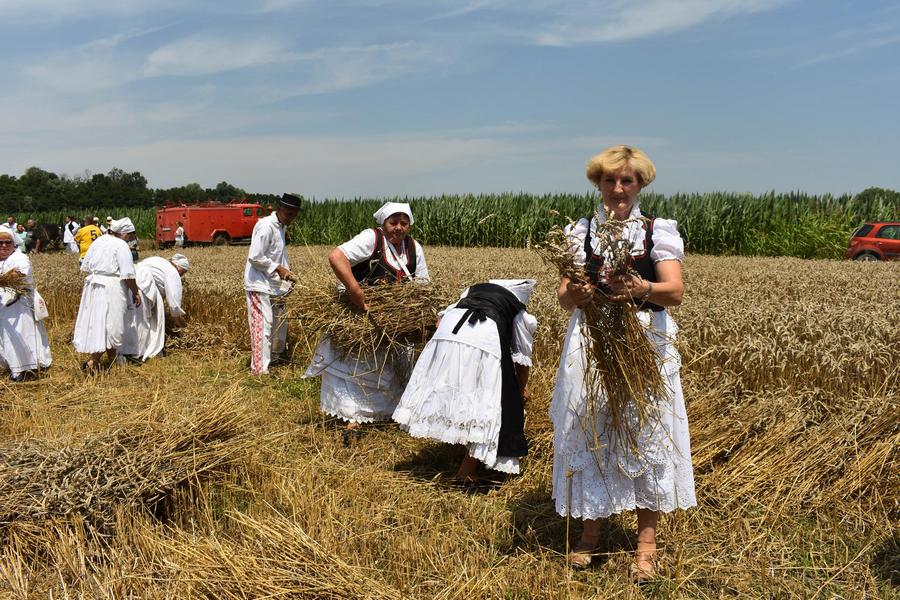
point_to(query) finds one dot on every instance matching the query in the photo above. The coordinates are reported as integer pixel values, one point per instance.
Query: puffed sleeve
(421, 267)
(576, 232)
(667, 242)
(359, 248)
(524, 326)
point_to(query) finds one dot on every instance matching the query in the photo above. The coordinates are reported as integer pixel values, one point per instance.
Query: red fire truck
(208, 223)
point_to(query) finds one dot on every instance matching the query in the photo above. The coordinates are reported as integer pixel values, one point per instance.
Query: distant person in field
(20, 237)
(71, 227)
(85, 236)
(362, 389)
(179, 235)
(100, 325)
(157, 278)
(109, 221)
(23, 340)
(267, 278)
(10, 224)
(469, 385)
(33, 237)
(96, 222)
(596, 478)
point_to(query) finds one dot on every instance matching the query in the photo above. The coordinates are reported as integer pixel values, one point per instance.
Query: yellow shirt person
(85, 236)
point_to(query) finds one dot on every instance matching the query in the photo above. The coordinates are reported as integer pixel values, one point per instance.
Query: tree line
(37, 190)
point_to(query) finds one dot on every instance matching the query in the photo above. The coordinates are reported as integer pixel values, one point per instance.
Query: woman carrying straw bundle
(362, 389)
(469, 384)
(23, 340)
(596, 473)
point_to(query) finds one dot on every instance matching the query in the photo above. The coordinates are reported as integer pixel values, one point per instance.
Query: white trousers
(268, 330)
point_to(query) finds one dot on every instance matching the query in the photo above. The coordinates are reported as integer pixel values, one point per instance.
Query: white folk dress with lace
(361, 389)
(453, 395)
(610, 480)
(23, 339)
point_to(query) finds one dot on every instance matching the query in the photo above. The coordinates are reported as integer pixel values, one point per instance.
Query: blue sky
(393, 97)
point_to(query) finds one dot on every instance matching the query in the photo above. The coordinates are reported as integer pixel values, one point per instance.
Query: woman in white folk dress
(592, 485)
(145, 327)
(363, 389)
(23, 340)
(469, 385)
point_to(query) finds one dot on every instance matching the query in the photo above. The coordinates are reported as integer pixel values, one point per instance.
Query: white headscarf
(521, 288)
(123, 225)
(391, 208)
(180, 260)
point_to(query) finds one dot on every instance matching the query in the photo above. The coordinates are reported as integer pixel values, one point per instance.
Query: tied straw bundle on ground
(622, 376)
(399, 317)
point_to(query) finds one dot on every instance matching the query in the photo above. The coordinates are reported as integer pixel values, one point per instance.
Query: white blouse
(667, 242)
(158, 271)
(109, 255)
(361, 247)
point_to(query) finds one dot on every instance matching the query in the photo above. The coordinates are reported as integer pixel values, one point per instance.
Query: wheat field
(188, 478)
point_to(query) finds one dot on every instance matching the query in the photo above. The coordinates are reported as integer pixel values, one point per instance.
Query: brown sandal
(643, 568)
(581, 556)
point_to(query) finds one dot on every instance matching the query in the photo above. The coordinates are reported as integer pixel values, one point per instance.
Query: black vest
(642, 263)
(491, 301)
(376, 268)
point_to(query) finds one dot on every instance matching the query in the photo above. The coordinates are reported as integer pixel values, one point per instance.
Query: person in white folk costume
(69, 230)
(23, 340)
(592, 485)
(157, 278)
(267, 278)
(363, 389)
(100, 325)
(469, 385)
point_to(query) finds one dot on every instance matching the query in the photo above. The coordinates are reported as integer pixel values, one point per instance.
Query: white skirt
(23, 341)
(453, 396)
(359, 389)
(611, 480)
(100, 324)
(145, 326)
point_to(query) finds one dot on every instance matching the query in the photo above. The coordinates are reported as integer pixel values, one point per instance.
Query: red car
(875, 241)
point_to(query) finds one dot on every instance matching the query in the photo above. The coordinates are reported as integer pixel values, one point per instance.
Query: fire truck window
(259, 211)
(248, 212)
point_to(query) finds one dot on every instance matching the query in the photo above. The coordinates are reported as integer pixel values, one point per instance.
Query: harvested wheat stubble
(135, 464)
(622, 376)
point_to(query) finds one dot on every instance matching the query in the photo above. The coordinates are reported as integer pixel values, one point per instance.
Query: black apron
(491, 301)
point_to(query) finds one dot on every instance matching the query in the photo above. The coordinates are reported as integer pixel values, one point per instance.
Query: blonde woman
(594, 482)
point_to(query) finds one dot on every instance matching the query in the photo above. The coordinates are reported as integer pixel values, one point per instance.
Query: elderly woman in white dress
(157, 278)
(363, 389)
(469, 386)
(100, 324)
(23, 340)
(594, 483)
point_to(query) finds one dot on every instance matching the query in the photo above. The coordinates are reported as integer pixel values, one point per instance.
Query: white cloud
(204, 54)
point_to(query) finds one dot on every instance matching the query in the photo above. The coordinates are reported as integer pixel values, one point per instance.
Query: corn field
(796, 224)
(196, 480)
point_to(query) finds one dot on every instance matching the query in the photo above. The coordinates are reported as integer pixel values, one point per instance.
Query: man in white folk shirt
(266, 280)
(145, 328)
(100, 325)
(24, 348)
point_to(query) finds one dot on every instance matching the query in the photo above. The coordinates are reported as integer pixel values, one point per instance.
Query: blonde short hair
(616, 157)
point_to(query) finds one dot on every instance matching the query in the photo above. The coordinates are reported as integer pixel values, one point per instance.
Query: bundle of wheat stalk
(132, 466)
(399, 317)
(622, 376)
(14, 280)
